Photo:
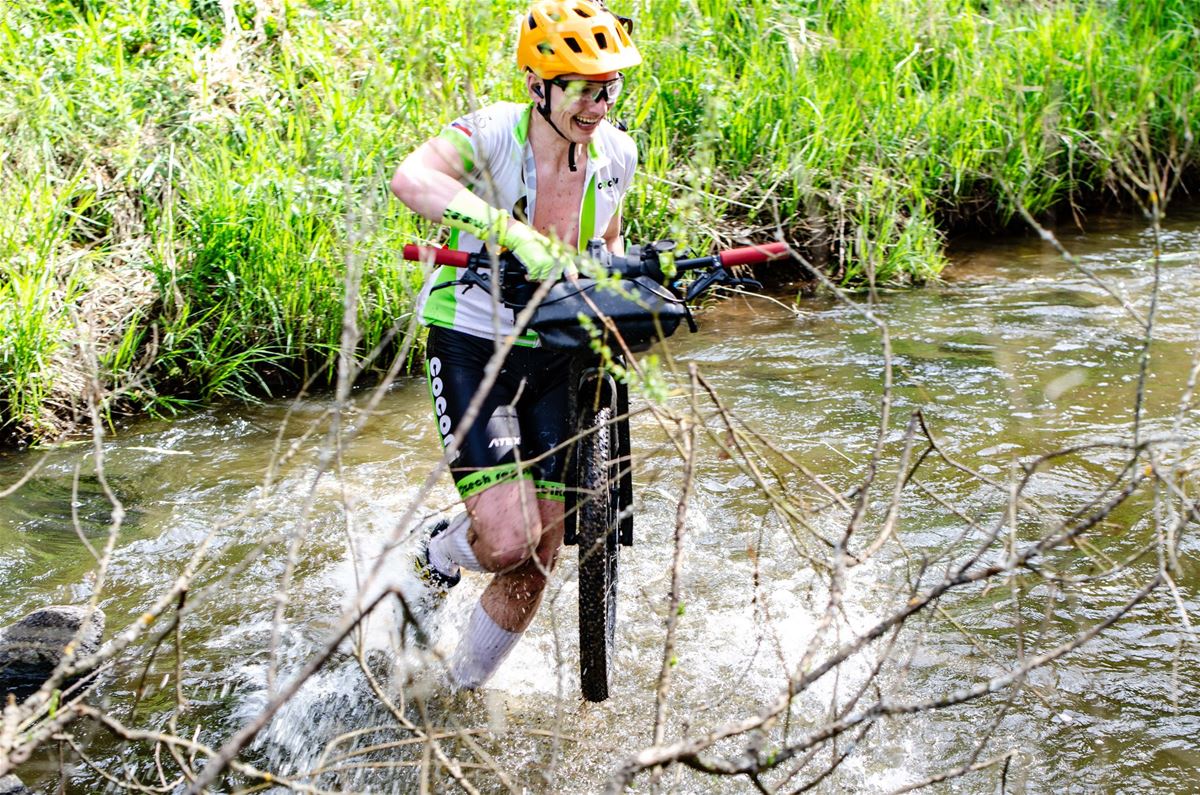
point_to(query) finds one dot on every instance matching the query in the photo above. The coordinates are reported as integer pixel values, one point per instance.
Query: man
(532, 178)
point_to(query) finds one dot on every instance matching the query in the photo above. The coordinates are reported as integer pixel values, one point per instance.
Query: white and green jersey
(498, 160)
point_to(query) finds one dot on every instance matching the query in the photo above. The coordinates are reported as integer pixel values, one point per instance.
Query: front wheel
(597, 540)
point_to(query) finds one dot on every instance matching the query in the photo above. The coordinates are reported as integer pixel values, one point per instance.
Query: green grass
(230, 168)
(885, 121)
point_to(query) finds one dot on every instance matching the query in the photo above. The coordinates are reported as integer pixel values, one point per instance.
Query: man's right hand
(542, 258)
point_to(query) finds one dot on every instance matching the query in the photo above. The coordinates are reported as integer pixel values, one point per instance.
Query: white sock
(481, 651)
(450, 548)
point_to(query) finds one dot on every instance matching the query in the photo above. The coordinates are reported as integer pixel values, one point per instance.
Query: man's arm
(428, 182)
(429, 178)
(612, 236)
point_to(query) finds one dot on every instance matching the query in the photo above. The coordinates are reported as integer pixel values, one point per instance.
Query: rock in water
(32, 647)
(11, 785)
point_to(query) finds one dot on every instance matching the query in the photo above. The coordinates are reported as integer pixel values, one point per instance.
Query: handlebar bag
(641, 310)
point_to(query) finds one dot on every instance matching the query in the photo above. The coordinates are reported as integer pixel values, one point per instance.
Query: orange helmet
(573, 36)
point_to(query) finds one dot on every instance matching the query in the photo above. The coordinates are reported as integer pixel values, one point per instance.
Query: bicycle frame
(599, 463)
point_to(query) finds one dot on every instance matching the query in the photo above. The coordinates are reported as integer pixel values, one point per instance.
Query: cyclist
(538, 178)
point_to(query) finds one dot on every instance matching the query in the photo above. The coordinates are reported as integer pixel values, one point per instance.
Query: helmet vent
(559, 37)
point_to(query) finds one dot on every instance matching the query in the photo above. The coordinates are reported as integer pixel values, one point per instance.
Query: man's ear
(534, 84)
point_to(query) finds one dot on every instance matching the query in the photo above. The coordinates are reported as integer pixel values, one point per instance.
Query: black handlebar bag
(641, 310)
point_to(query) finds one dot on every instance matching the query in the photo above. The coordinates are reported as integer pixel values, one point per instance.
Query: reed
(235, 162)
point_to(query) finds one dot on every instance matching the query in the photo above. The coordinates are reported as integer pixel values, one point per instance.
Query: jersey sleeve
(472, 135)
(628, 157)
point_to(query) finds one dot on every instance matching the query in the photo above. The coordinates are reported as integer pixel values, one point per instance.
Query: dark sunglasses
(596, 90)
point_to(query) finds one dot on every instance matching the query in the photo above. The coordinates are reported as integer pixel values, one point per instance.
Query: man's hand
(541, 256)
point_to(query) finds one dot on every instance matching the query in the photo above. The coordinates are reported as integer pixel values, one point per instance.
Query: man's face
(574, 108)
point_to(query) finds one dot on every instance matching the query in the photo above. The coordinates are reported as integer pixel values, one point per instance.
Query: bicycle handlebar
(439, 256)
(747, 255)
(640, 263)
(652, 263)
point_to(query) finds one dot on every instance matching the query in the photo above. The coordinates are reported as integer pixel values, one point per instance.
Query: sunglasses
(607, 90)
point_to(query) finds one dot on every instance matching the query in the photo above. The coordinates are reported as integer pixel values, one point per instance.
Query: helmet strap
(544, 110)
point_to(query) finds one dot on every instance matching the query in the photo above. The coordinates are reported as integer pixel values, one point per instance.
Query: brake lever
(471, 278)
(722, 277)
(717, 275)
(749, 284)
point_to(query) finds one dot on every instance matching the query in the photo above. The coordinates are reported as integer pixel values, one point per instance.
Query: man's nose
(600, 105)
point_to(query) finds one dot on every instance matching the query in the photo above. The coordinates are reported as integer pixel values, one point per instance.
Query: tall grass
(890, 120)
(234, 155)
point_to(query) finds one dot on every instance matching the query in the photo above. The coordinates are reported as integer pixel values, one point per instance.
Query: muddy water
(1014, 355)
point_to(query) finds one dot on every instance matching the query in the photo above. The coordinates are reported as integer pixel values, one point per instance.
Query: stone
(31, 648)
(11, 785)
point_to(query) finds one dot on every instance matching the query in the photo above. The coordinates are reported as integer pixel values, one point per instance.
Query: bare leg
(512, 597)
(506, 525)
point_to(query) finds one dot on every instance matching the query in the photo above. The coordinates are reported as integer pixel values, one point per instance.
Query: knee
(504, 549)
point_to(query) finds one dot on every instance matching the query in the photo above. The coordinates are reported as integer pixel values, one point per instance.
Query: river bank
(192, 188)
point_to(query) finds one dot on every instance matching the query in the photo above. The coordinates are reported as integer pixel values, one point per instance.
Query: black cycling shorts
(522, 424)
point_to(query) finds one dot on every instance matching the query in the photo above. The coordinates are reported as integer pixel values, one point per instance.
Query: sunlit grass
(243, 160)
(903, 116)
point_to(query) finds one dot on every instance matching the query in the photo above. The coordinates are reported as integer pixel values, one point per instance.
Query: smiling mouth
(587, 122)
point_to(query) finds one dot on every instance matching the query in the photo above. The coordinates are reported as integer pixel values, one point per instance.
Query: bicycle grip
(440, 256)
(750, 254)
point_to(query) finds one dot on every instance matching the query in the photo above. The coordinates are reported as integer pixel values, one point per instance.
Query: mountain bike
(622, 303)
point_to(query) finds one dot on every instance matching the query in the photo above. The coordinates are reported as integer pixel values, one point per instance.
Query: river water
(1014, 355)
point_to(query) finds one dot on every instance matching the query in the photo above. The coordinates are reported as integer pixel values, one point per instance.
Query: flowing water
(1015, 354)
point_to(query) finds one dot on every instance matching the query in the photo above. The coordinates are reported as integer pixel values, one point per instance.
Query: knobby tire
(597, 540)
